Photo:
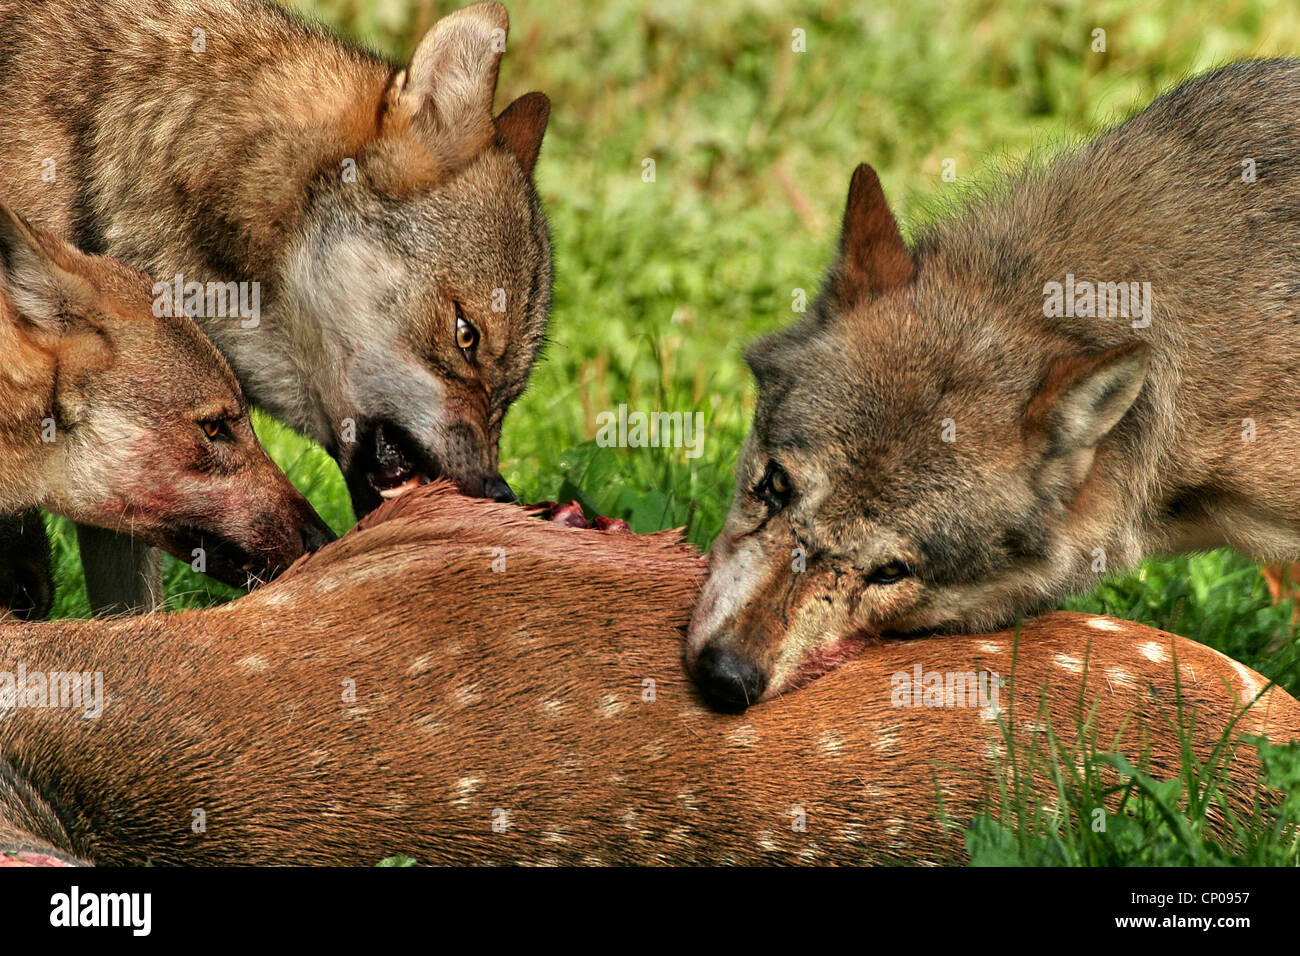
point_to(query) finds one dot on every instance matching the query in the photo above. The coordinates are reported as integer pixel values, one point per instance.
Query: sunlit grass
(660, 284)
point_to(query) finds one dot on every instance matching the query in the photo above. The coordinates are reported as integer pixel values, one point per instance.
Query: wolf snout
(257, 549)
(316, 534)
(729, 680)
(302, 532)
(497, 489)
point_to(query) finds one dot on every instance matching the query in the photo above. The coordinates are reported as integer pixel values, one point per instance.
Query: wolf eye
(774, 487)
(466, 334)
(888, 573)
(216, 429)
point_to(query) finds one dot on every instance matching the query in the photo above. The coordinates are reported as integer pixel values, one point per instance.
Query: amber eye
(889, 573)
(466, 334)
(215, 428)
(774, 488)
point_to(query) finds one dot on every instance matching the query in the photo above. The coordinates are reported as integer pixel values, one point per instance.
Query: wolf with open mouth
(388, 217)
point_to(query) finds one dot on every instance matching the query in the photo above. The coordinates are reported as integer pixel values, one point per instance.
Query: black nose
(316, 535)
(729, 681)
(497, 489)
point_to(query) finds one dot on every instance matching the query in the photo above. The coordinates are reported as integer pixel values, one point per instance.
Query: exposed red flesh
(571, 516)
(30, 858)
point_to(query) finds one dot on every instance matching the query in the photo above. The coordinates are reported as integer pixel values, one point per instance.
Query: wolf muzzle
(729, 681)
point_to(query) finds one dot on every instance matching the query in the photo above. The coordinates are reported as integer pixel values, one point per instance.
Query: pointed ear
(452, 77)
(520, 128)
(42, 294)
(873, 257)
(1082, 398)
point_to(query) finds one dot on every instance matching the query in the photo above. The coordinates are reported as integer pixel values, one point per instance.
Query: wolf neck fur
(319, 108)
(26, 398)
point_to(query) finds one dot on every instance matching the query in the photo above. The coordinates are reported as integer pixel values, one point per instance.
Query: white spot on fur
(465, 696)
(609, 705)
(654, 750)
(1153, 651)
(464, 789)
(830, 743)
(421, 665)
(1068, 663)
(886, 740)
(254, 664)
(273, 597)
(1122, 677)
(1101, 624)
(330, 582)
(851, 833)
(429, 724)
(351, 574)
(989, 647)
(1248, 681)
(743, 736)
(552, 707)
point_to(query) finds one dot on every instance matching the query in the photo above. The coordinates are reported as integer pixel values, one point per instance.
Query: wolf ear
(42, 294)
(873, 257)
(521, 126)
(1082, 398)
(452, 77)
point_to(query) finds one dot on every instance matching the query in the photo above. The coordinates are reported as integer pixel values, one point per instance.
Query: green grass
(1077, 799)
(660, 285)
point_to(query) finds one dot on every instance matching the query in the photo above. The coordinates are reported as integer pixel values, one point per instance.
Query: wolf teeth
(398, 490)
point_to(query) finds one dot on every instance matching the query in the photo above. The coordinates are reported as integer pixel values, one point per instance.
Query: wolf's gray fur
(386, 217)
(947, 450)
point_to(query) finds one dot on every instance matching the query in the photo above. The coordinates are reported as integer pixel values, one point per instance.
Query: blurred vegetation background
(660, 285)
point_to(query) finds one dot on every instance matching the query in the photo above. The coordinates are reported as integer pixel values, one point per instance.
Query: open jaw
(223, 559)
(387, 464)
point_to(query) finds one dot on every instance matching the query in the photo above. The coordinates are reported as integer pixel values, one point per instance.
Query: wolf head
(141, 426)
(429, 272)
(907, 471)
